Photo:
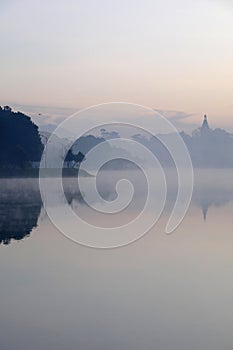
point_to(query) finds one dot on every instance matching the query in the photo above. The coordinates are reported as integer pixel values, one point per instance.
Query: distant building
(205, 125)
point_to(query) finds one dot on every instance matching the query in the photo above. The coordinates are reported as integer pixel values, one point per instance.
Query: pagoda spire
(205, 124)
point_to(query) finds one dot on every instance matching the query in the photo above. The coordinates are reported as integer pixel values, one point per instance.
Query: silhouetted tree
(74, 160)
(20, 141)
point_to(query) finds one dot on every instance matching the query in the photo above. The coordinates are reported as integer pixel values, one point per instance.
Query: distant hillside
(208, 148)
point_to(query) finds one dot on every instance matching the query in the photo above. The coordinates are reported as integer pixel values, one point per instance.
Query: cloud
(174, 115)
(45, 115)
(181, 119)
(47, 118)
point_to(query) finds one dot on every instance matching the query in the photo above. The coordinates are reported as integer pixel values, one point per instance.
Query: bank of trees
(20, 142)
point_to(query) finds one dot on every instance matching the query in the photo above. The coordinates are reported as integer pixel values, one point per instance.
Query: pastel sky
(166, 54)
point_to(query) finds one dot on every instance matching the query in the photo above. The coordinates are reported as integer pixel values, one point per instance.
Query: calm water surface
(165, 292)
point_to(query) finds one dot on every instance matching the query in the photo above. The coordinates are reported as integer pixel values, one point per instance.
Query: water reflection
(213, 191)
(20, 201)
(20, 207)
(17, 220)
(163, 291)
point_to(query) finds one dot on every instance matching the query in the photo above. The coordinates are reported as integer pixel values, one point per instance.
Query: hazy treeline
(21, 145)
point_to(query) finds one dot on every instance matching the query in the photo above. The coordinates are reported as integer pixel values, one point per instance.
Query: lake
(165, 292)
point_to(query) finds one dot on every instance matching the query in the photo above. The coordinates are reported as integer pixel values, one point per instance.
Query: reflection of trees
(17, 220)
(20, 202)
(20, 206)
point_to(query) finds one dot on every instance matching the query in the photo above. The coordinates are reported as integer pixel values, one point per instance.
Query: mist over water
(163, 291)
(208, 191)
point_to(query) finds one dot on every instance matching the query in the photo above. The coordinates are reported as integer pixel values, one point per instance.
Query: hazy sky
(166, 54)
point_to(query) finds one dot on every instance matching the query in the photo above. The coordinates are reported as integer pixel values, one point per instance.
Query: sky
(171, 55)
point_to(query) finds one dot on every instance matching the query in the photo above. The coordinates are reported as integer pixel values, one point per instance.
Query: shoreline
(34, 173)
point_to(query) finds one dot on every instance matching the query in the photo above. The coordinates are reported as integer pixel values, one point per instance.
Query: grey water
(165, 292)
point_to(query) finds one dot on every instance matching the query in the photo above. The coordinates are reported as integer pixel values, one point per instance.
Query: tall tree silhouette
(20, 141)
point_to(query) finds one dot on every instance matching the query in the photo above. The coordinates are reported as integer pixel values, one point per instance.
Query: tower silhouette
(205, 124)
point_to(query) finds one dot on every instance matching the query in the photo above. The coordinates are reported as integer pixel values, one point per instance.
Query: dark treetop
(20, 141)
